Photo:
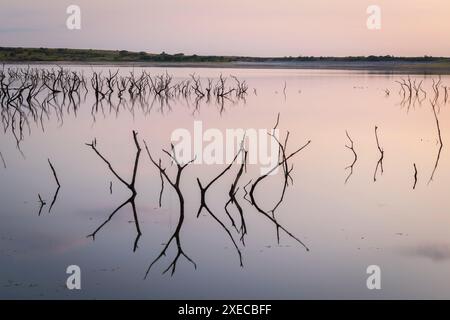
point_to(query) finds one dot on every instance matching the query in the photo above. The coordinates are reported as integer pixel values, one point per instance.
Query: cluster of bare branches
(33, 94)
(241, 226)
(147, 90)
(412, 92)
(29, 94)
(379, 166)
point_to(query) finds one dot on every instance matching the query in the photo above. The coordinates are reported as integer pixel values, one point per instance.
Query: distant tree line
(92, 55)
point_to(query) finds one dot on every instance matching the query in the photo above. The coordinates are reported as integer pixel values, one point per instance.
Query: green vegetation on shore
(92, 55)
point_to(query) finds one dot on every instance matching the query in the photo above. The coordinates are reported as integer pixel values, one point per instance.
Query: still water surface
(347, 226)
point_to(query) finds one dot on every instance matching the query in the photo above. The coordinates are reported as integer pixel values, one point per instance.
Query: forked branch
(380, 160)
(233, 200)
(204, 205)
(253, 201)
(355, 156)
(57, 182)
(175, 237)
(129, 185)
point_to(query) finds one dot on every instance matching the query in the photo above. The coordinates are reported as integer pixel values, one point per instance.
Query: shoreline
(380, 67)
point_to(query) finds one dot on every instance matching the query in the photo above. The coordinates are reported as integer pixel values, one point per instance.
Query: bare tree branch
(176, 235)
(441, 145)
(415, 177)
(355, 156)
(204, 205)
(380, 160)
(282, 162)
(130, 186)
(57, 189)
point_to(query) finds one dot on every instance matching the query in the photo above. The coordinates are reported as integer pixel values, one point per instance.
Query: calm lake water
(347, 226)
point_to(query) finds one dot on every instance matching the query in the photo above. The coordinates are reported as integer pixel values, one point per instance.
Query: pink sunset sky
(232, 27)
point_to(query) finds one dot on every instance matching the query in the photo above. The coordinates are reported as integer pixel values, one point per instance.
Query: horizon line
(228, 56)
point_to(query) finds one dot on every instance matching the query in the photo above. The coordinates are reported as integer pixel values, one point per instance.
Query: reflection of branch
(441, 145)
(410, 92)
(162, 185)
(355, 156)
(415, 177)
(54, 173)
(130, 201)
(176, 235)
(136, 162)
(380, 161)
(435, 87)
(232, 194)
(246, 192)
(57, 182)
(130, 186)
(41, 89)
(255, 204)
(42, 202)
(204, 205)
(3, 160)
(277, 122)
(282, 161)
(286, 172)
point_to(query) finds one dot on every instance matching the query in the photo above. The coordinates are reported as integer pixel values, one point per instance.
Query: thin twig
(42, 202)
(380, 161)
(441, 145)
(415, 177)
(55, 196)
(162, 185)
(355, 156)
(3, 160)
